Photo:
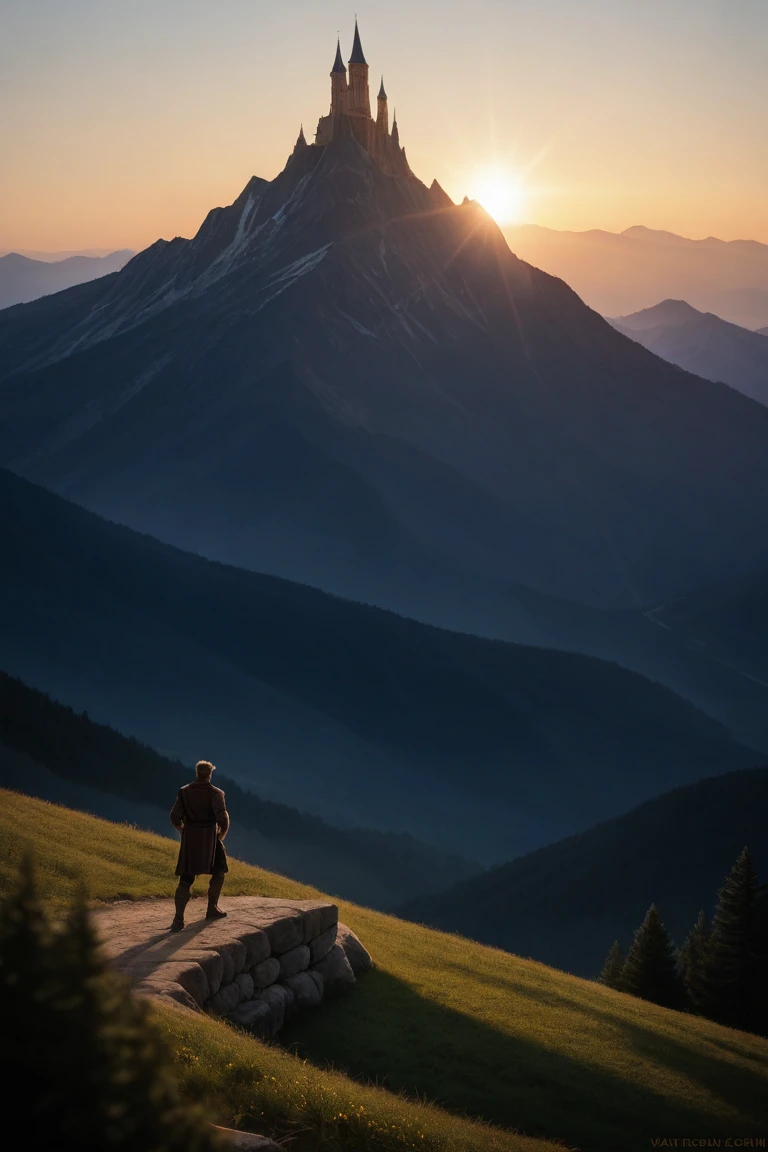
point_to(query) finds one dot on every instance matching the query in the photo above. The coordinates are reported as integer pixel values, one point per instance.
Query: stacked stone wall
(256, 968)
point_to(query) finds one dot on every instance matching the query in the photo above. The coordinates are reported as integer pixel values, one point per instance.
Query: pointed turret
(358, 56)
(301, 141)
(338, 83)
(395, 132)
(382, 115)
(338, 64)
(359, 96)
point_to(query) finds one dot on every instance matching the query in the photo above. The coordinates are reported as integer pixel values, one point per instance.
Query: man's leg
(220, 869)
(182, 899)
(214, 891)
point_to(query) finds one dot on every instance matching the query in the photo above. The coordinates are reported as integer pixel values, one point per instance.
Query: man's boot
(214, 891)
(182, 899)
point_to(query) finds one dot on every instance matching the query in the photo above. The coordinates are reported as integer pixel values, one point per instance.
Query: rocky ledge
(265, 961)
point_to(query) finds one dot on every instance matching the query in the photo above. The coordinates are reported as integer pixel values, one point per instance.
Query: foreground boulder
(336, 972)
(358, 956)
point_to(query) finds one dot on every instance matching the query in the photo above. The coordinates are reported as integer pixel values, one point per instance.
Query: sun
(500, 192)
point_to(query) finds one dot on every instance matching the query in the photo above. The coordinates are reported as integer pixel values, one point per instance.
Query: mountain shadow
(391, 1034)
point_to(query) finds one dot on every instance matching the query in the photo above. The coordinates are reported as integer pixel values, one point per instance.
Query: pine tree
(650, 969)
(613, 967)
(26, 964)
(692, 959)
(736, 968)
(86, 1068)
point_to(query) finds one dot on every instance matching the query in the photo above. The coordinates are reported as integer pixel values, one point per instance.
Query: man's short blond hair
(203, 769)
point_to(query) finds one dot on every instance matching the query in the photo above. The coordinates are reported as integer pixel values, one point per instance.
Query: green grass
(482, 1033)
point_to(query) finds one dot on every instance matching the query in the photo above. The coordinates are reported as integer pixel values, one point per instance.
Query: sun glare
(500, 192)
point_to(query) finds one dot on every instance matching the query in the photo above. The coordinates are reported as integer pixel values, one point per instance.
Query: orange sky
(124, 121)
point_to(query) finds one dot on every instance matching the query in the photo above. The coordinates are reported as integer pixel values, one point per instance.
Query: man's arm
(222, 816)
(177, 813)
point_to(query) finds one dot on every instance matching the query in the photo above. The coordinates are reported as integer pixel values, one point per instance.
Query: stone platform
(265, 961)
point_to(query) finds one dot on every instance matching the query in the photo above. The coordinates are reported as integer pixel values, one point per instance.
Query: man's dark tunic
(199, 808)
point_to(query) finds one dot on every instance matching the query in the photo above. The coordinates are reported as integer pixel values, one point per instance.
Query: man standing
(200, 815)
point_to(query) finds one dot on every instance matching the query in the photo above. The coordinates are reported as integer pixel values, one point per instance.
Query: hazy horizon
(51, 256)
(131, 125)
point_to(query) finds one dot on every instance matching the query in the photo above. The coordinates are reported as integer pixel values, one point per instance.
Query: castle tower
(338, 84)
(382, 116)
(301, 142)
(395, 132)
(359, 96)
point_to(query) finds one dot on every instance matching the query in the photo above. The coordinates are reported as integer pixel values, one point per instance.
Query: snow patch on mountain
(295, 195)
(291, 273)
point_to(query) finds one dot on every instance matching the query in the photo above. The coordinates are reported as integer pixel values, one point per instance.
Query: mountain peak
(656, 235)
(671, 313)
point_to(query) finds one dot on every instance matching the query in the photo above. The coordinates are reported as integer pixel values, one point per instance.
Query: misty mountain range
(702, 343)
(53, 257)
(340, 709)
(619, 273)
(23, 279)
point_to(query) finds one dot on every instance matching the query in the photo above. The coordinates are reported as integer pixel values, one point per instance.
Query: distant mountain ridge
(566, 903)
(673, 239)
(620, 273)
(23, 279)
(476, 747)
(53, 257)
(702, 343)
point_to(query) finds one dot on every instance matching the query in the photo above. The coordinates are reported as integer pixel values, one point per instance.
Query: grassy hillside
(101, 771)
(481, 1032)
(568, 902)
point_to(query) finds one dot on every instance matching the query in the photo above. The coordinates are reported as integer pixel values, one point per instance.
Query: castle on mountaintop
(350, 114)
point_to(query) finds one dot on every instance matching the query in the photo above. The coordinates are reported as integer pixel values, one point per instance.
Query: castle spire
(395, 132)
(338, 83)
(382, 117)
(358, 56)
(359, 103)
(301, 142)
(338, 64)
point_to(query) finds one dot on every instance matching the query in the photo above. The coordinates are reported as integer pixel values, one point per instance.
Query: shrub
(81, 1062)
